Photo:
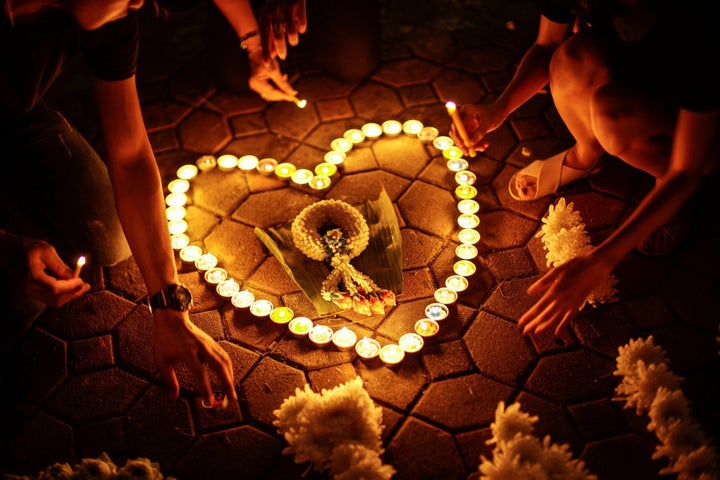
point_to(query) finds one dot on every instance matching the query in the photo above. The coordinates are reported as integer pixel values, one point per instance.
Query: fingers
(301, 17)
(278, 35)
(168, 377)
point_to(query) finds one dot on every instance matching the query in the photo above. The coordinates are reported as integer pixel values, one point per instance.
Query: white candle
(228, 288)
(469, 236)
(242, 299)
(302, 176)
(79, 265)
(464, 268)
(187, 172)
(248, 162)
(321, 335)
(300, 326)
(411, 342)
(176, 199)
(468, 206)
(261, 308)
(266, 166)
(190, 253)
(355, 135)
(179, 241)
(206, 162)
(227, 162)
(466, 251)
(442, 142)
(437, 311)
(320, 182)
(206, 261)
(412, 127)
(459, 126)
(445, 295)
(465, 177)
(391, 354)
(367, 348)
(179, 185)
(468, 220)
(428, 134)
(175, 213)
(335, 157)
(341, 145)
(372, 130)
(176, 227)
(457, 283)
(215, 275)
(391, 128)
(344, 339)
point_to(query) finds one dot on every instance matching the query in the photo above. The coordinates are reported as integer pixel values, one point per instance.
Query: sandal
(666, 240)
(551, 174)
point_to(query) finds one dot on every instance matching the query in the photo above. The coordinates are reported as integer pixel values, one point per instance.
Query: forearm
(530, 77)
(240, 15)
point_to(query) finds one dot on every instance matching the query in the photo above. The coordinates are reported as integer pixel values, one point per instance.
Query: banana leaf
(381, 260)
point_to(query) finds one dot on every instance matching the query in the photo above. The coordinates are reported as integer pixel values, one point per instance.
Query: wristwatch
(175, 296)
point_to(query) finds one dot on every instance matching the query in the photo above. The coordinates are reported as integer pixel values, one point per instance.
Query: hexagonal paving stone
(263, 396)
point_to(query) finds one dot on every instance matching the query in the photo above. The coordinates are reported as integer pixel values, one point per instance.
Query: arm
(565, 288)
(141, 206)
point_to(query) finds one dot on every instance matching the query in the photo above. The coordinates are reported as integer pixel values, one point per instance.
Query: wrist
(250, 41)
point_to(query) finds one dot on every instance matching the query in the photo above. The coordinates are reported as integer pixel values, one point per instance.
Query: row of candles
(344, 338)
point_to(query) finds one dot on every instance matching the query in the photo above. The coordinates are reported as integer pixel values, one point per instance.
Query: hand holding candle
(459, 126)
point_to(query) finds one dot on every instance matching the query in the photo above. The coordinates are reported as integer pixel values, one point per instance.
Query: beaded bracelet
(247, 37)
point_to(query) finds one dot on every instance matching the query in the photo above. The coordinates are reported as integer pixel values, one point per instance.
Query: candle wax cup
(457, 164)
(227, 162)
(206, 261)
(190, 253)
(243, 299)
(261, 308)
(437, 311)
(445, 295)
(300, 326)
(426, 327)
(372, 130)
(392, 127)
(466, 251)
(228, 288)
(176, 227)
(335, 157)
(187, 172)
(215, 275)
(179, 185)
(367, 348)
(179, 241)
(281, 314)
(442, 142)
(176, 199)
(206, 162)
(392, 354)
(411, 342)
(248, 162)
(469, 236)
(464, 268)
(457, 283)
(344, 339)
(321, 335)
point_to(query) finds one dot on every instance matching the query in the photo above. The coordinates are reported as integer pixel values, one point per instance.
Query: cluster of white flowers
(649, 385)
(564, 237)
(101, 468)
(337, 430)
(520, 454)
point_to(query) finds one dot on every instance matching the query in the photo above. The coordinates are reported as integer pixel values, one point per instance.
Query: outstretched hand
(281, 23)
(268, 81)
(49, 279)
(479, 120)
(177, 340)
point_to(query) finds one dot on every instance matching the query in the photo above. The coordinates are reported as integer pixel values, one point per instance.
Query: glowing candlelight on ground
(465, 177)
(190, 253)
(300, 103)
(445, 295)
(79, 265)
(367, 348)
(300, 326)
(206, 162)
(335, 157)
(411, 342)
(437, 311)
(227, 162)
(281, 315)
(341, 145)
(428, 134)
(344, 339)
(175, 213)
(285, 170)
(206, 261)
(228, 288)
(443, 142)
(457, 164)
(466, 252)
(243, 299)
(176, 199)
(177, 226)
(187, 172)
(325, 169)
(391, 128)
(412, 127)
(457, 283)
(466, 192)
(464, 268)
(459, 126)
(302, 176)
(468, 206)
(391, 354)
(355, 135)
(452, 152)
(469, 236)
(179, 185)
(427, 327)
(266, 166)
(320, 182)
(468, 220)
(261, 308)
(179, 241)
(321, 335)
(372, 130)
(248, 162)
(215, 275)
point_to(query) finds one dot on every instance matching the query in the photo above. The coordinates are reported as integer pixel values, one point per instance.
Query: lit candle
(243, 299)
(457, 164)
(177, 226)
(372, 130)
(325, 169)
(428, 134)
(300, 326)
(412, 127)
(468, 220)
(391, 128)
(175, 213)
(228, 288)
(341, 145)
(464, 268)
(176, 199)
(391, 354)
(321, 335)
(452, 152)
(190, 253)
(227, 162)
(179, 185)
(466, 252)
(320, 182)
(411, 342)
(248, 162)
(179, 241)
(301, 176)
(367, 348)
(79, 265)
(459, 126)
(469, 236)
(300, 103)
(465, 177)
(457, 283)
(355, 135)
(266, 166)
(335, 157)
(215, 275)
(468, 206)
(437, 311)
(261, 308)
(187, 172)
(344, 339)
(206, 162)
(281, 315)
(427, 327)
(206, 261)
(443, 142)
(285, 170)
(445, 295)
(465, 191)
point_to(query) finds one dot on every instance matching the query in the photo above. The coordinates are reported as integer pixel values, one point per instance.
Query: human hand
(478, 121)
(176, 339)
(49, 280)
(268, 81)
(564, 289)
(281, 20)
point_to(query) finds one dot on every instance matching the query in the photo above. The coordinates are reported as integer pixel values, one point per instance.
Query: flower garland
(564, 237)
(337, 430)
(335, 232)
(649, 385)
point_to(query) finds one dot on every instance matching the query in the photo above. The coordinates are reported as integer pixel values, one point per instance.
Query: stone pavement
(82, 381)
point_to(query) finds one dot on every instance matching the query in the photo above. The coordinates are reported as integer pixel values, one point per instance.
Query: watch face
(177, 297)
(183, 297)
